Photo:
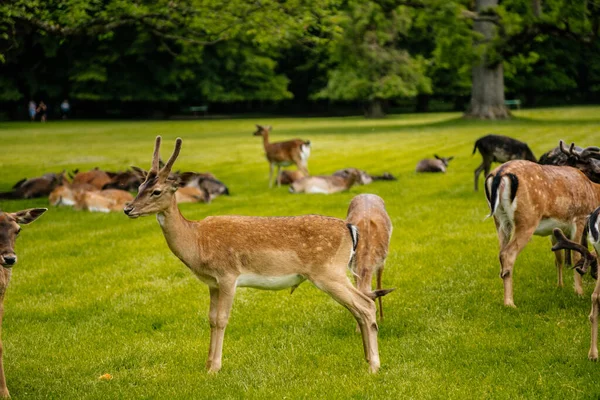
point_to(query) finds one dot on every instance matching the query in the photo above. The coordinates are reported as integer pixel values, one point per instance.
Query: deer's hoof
(593, 355)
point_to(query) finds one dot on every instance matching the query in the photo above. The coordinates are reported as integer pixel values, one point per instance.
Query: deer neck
(178, 232)
(265, 136)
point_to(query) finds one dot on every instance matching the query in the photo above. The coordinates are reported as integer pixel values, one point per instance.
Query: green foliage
(368, 62)
(97, 293)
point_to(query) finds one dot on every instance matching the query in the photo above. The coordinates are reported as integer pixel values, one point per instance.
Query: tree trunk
(375, 109)
(487, 91)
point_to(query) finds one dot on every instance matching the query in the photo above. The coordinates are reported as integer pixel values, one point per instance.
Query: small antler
(564, 243)
(156, 156)
(166, 170)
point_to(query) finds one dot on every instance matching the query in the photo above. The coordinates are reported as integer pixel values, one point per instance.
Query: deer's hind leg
(559, 261)
(362, 308)
(510, 247)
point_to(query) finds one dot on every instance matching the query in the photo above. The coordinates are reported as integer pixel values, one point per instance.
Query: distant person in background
(42, 110)
(65, 108)
(32, 110)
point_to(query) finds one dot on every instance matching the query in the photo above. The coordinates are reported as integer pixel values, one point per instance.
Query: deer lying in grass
(9, 231)
(588, 259)
(283, 154)
(87, 197)
(528, 199)
(367, 213)
(325, 184)
(102, 201)
(497, 148)
(95, 177)
(206, 182)
(126, 180)
(439, 164)
(272, 253)
(34, 187)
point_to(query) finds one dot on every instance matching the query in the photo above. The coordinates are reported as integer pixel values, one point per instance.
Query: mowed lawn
(96, 293)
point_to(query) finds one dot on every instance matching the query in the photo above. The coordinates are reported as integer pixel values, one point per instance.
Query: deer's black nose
(10, 260)
(127, 209)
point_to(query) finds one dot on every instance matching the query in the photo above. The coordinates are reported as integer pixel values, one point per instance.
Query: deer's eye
(156, 193)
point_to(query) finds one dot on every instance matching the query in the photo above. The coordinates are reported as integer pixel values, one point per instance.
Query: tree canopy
(371, 52)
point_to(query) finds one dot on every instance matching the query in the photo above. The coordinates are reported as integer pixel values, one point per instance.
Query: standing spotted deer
(9, 231)
(528, 199)
(283, 154)
(367, 213)
(272, 253)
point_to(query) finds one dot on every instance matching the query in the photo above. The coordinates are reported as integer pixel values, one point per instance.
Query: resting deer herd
(557, 197)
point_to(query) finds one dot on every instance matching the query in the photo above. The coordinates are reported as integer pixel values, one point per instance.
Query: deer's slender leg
(576, 236)
(559, 262)
(224, 303)
(508, 255)
(379, 287)
(478, 171)
(279, 176)
(593, 354)
(3, 389)
(270, 174)
(212, 319)
(363, 310)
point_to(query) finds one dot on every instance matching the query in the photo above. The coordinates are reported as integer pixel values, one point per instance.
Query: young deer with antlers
(272, 253)
(283, 154)
(528, 199)
(9, 231)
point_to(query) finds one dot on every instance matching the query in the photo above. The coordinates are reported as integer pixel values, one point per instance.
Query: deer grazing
(326, 184)
(528, 199)
(497, 148)
(283, 154)
(439, 164)
(9, 231)
(588, 259)
(367, 213)
(272, 253)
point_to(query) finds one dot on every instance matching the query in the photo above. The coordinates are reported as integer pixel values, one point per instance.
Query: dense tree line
(371, 53)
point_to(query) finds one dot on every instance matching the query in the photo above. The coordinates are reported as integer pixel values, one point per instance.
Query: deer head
(586, 160)
(9, 231)
(261, 130)
(155, 194)
(444, 160)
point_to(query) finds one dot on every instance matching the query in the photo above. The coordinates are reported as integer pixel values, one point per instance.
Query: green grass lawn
(96, 293)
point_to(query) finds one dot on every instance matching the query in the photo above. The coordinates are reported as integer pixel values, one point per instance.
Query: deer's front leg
(212, 320)
(593, 354)
(226, 292)
(270, 174)
(3, 389)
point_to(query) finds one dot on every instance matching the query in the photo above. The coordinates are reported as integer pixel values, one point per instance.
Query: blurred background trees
(307, 56)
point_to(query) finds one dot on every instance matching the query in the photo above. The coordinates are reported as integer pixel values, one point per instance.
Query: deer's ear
(436, 156)
(28, 216)
(259, 127)
(141, 173)
(450, 158)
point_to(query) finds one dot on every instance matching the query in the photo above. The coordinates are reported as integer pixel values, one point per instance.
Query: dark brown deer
(34, 187)
(439, 164)
(497, 148)
(527, 199)
(9, 231)
(283, 154)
